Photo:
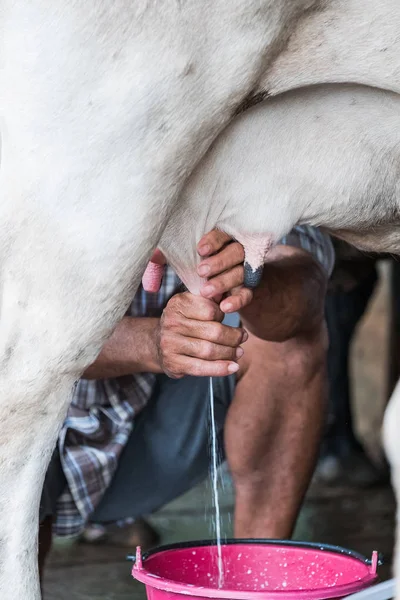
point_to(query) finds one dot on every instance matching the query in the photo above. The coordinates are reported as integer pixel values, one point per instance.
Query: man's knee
(298, 358)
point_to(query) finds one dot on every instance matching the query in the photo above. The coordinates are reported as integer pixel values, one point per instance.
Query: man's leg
(271, 433)
(167, 453)
(273, 429)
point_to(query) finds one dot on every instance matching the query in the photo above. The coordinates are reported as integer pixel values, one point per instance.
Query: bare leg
(273, 431)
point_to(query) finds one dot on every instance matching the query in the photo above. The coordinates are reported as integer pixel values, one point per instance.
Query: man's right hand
(193, 341)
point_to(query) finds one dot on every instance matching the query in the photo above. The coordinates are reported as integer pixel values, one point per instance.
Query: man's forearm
(131, 349)
(295, 287)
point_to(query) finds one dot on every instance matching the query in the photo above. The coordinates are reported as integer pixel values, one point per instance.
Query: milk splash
(214, 480)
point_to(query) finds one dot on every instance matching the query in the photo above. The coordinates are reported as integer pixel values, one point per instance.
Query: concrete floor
(362, 521)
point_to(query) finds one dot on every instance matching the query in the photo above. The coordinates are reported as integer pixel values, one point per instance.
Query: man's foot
(356, 470)
(126, 534)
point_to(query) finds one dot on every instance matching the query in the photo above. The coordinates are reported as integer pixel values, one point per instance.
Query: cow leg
(60, 298)
(37, 376)
(31, 414)
(391, 441)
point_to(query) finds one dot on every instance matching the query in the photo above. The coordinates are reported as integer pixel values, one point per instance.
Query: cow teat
(256, 247)
(154, 272)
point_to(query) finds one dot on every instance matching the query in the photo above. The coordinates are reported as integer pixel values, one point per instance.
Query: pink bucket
(254, 570)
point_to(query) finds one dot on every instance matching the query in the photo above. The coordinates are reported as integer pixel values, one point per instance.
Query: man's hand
(192, 340)
(222, 265)
(189, 339)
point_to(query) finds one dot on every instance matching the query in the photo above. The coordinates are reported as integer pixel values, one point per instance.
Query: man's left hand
(222, 265)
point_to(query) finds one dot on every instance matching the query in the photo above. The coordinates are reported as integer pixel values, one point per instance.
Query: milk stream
(214, 480)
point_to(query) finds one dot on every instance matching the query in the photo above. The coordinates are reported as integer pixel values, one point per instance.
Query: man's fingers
(193, 341)
(209, 331)
(193, 307)
(227, 258)
(203, 349)
(212, 242)
(240, 298)
(197, 367)
(221, 284)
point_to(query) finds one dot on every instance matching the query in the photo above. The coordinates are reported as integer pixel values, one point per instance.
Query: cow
(117, 118)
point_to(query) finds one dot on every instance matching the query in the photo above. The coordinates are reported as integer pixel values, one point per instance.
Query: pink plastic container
(254, 570)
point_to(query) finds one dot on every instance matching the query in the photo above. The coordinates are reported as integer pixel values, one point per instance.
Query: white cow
(106, 110)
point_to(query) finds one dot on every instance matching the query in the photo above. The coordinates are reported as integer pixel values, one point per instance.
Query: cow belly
(348, 41)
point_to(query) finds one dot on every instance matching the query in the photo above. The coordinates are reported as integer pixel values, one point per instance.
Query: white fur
(328, 156)
(106, 110)
(349, 41)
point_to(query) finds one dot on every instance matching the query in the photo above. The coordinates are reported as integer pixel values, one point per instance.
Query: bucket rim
(141, 574)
